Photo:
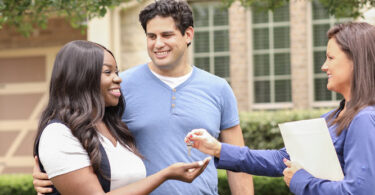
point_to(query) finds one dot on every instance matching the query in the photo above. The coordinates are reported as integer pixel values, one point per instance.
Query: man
(167, 97)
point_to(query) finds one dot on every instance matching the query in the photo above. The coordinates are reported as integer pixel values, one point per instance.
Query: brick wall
(133, 38)
(299, 53)
(58, 32)
(239, 55)
(25, 67)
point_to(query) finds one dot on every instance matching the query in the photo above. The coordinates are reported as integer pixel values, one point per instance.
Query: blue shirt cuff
(228, 156)
(298, 181)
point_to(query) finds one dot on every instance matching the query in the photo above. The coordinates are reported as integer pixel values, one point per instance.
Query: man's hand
(40, 180)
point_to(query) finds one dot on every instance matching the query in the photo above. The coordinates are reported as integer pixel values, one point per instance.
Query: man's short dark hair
(179, 10)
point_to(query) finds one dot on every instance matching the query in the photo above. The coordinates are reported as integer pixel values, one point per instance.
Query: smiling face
(166, 45)
(339, 69)
(110, 81)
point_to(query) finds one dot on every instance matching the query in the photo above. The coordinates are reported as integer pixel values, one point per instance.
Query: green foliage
(346, 8)
(263, 5)
(270, 185)
(260, 131)
(262, 185)
(260, 128)
(25, 15)
(16, 184)
(338, 8)
(223, 182)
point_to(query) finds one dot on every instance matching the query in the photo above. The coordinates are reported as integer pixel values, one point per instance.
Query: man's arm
(240, 183)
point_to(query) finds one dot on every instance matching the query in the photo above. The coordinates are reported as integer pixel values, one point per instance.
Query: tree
(25, 15)
(338, 8)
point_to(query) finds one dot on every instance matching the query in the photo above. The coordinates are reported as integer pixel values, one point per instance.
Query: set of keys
(189, 146)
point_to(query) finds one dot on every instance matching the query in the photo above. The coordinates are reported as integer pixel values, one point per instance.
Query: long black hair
(75, 99)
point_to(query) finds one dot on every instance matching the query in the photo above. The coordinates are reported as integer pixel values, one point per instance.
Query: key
(189, 146)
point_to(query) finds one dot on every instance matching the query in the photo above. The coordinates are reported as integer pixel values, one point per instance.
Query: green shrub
(262, 185)
(270, 186)
(16, 184)
(223, 182)
(260, 131)
(260, 128)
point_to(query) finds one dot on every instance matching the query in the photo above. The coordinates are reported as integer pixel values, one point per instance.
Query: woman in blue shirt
(350, 67)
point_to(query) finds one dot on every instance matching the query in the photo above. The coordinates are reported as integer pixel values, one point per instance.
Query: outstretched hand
(40, 180)
(187, 172)
(204, 142)
(292, 168)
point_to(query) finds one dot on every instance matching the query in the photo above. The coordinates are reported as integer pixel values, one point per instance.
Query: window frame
(331, 21)
(271, 51)
(211, 28)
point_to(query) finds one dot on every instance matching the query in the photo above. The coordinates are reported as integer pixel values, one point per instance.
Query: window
(321, 23)
(271, 56)
(211, 39)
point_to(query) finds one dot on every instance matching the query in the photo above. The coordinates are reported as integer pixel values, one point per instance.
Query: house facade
(25, 69)
(272, 61)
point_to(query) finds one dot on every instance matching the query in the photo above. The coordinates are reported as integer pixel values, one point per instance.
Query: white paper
(308, 142)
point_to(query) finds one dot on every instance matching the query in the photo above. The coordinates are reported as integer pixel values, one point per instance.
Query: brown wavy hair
(76, 101)
(357, 40)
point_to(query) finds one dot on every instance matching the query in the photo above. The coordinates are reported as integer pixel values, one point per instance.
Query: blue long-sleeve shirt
(355, 148)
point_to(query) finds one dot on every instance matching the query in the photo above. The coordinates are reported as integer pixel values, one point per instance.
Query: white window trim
(249, 41)
(270, 25)
(331, 21)
(211, 29)
(271, 106)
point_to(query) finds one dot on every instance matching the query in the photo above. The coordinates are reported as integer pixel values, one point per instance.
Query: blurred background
(271, 58)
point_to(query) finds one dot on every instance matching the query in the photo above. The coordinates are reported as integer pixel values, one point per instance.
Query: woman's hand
(187, 172)
(204, 142)
(292, 168)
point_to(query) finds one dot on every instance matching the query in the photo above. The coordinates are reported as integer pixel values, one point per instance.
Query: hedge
(260, 128)
(262, 185)
(16, 184)
(260, 131)
(21, 184)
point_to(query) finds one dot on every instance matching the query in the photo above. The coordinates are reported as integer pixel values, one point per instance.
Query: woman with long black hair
(82, 144)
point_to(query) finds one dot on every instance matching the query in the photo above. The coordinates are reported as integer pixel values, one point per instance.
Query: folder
(309, 143)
